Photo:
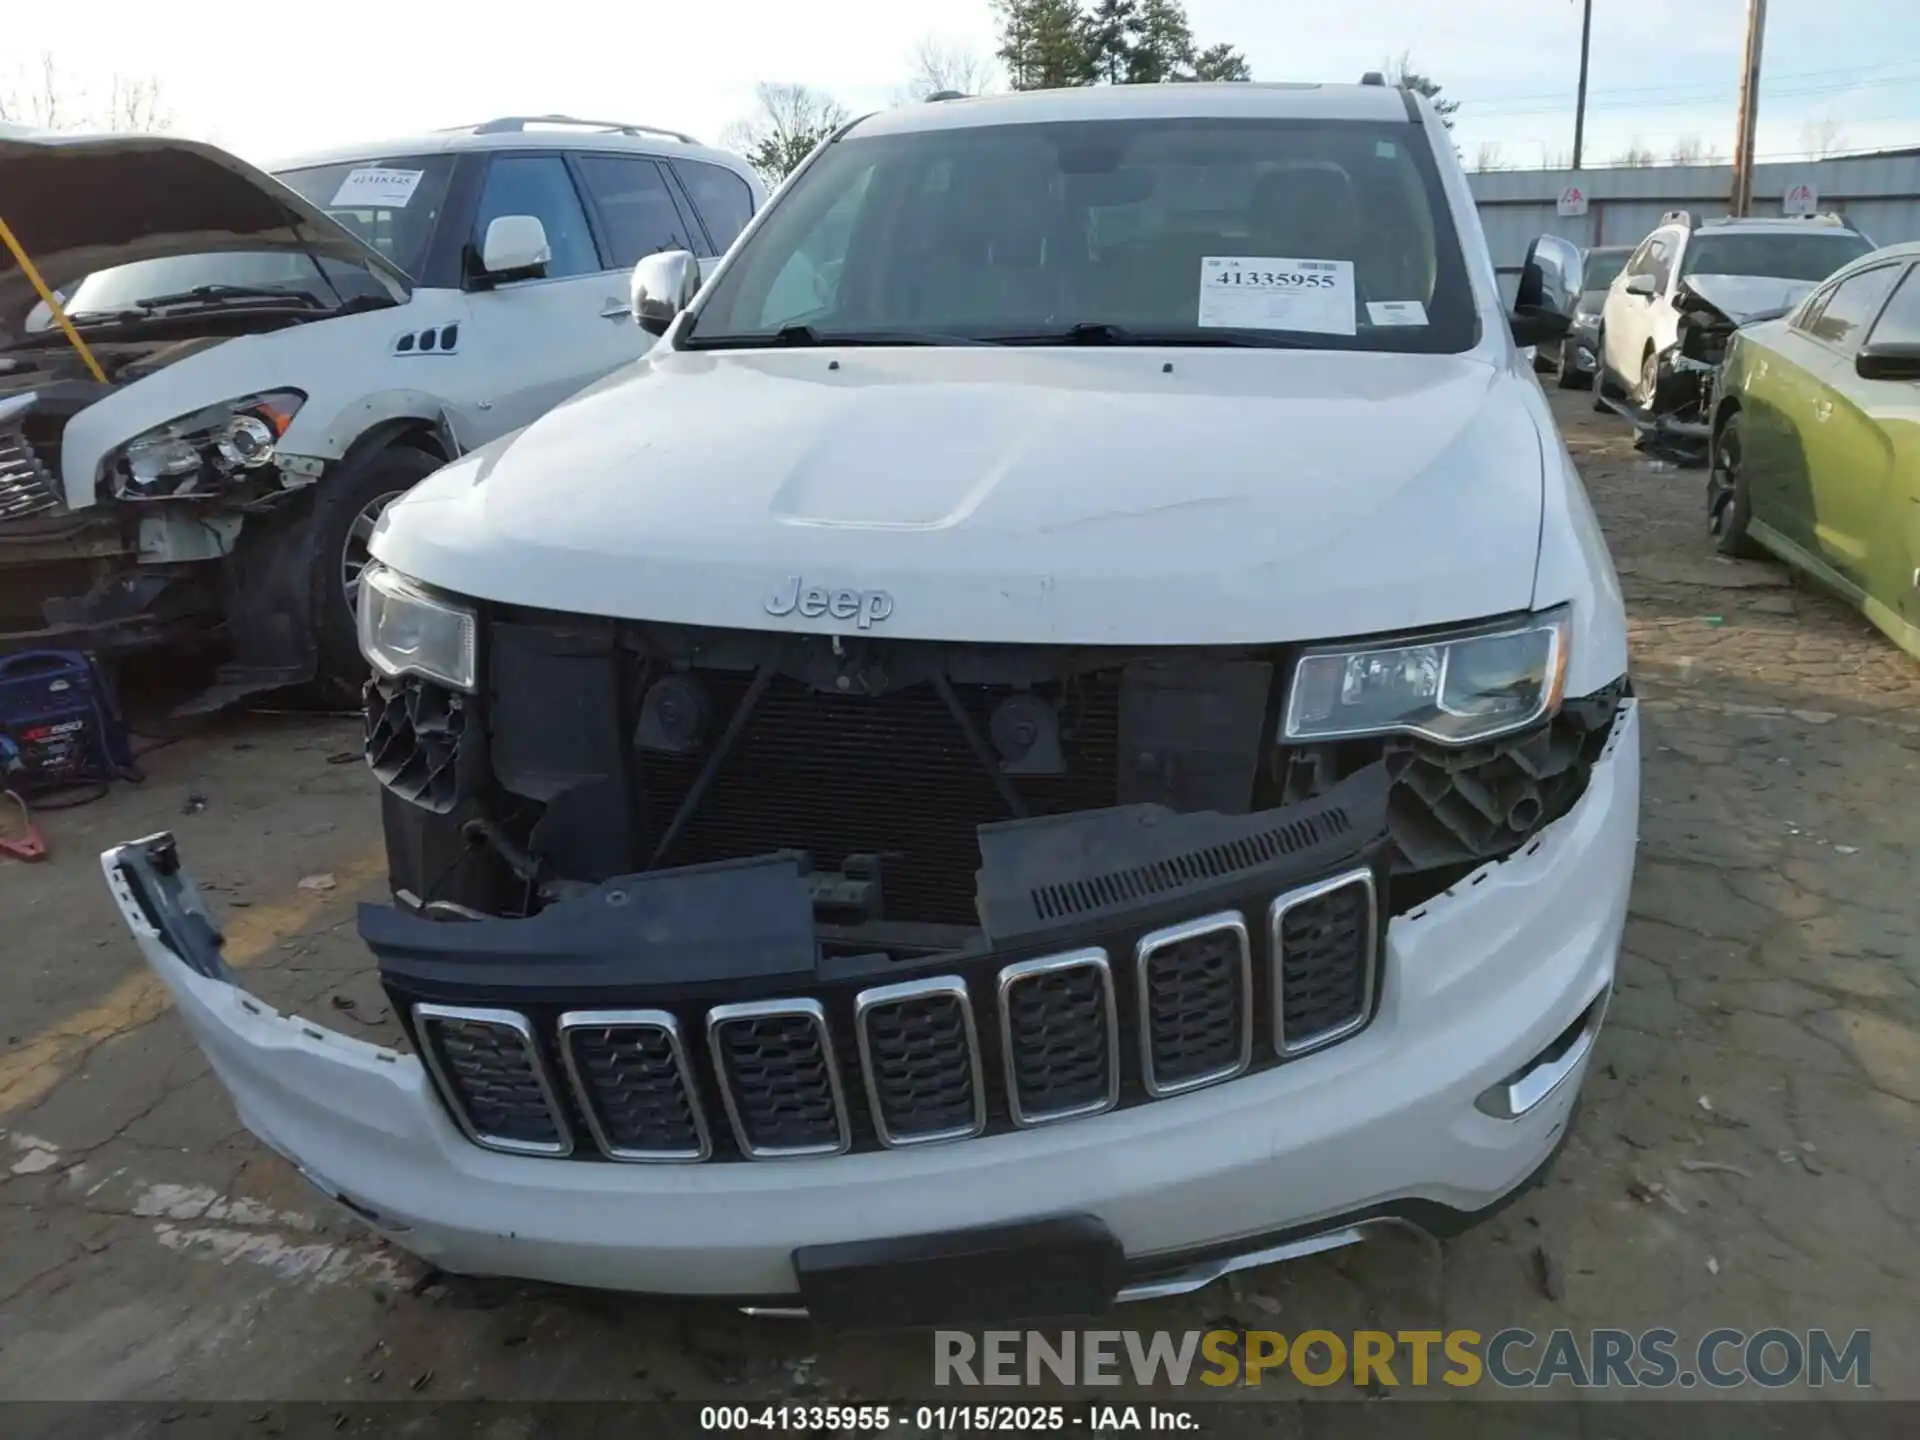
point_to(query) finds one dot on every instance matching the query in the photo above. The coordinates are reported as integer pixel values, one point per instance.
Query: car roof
(1227, 100)
(1770, 225)
(543, 132)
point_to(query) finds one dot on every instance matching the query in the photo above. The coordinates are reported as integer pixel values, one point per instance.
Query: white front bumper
(1476, 983)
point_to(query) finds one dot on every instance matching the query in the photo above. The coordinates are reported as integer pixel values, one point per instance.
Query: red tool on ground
(27, 845)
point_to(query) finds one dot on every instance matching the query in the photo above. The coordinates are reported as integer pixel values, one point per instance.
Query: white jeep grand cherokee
(1065, 732)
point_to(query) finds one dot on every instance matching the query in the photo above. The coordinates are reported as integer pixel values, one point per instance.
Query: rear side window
(1900, 321)
(636, 207)
(723, 199)
(538, 185)
(1851, 306)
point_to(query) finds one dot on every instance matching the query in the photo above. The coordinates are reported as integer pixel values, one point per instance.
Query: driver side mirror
(1888, 360)
(1549, 290)
(515, 248)
(663, 285)
(1642, 285)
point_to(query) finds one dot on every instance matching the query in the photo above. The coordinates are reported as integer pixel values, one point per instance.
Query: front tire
(347, 506)
(1729, 508)
(1649, 396)
(1602, 383)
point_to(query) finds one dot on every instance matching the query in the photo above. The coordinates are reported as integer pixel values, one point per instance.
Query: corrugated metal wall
(1878, 193)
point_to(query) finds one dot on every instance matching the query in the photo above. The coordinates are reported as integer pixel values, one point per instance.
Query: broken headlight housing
(1452, 688)
(404, 630)
(195, 454)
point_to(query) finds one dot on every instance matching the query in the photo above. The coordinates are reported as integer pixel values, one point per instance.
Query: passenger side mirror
(1550, 283)
(1643, 285)
(515, 248)
(1888, 361)
(663, 286)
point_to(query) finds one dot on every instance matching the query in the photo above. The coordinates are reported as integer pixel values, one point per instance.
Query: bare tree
(1823, 137)
(1637, 154)
(937, 65)
(1490, 156)
(44, 97)
(792, 119)
(1560, 159)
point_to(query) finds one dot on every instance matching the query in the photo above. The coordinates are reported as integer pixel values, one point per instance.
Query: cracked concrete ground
(1746, 1154)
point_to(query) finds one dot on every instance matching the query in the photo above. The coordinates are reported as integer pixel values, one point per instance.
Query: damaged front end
(678, 894)
(1679, 424)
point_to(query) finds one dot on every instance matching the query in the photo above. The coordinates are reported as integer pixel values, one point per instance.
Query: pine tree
(1108, 33)
(1163, 43)
(1221, 62)
(1042, 43)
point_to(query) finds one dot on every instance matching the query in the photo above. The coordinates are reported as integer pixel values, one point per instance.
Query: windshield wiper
(214, 294)
(1099, 332)
(794, 336)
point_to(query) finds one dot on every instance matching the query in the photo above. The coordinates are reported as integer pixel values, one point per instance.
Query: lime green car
(1816, 439)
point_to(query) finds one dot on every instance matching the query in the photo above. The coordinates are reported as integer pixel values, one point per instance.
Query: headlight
(194, 453)
(1450, 688)
(406, 631)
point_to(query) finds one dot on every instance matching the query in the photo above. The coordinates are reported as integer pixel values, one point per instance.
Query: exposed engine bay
(899, 773)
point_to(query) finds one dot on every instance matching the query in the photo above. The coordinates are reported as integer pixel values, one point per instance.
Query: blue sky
(375, 68)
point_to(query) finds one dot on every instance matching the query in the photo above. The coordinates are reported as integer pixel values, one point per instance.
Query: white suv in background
(232, 414)
(1747, 266)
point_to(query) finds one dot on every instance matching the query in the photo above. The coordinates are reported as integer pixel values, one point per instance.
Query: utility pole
(1741, 200)
(1580, 106)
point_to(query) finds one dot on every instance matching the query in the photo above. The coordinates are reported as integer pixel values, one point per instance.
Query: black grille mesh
(892, 775)
(492, 1072)
(1196, 1005)
(1324, 961)
(633, 1087)
(921, 1066)
(1062, 1055)
(414, 730)
(780, 1076)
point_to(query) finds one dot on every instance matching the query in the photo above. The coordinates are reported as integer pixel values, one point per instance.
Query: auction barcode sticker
(376, 187)
(1265, 292)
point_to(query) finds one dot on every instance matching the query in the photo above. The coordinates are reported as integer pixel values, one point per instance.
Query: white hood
(1008, 495)
(1739, 296)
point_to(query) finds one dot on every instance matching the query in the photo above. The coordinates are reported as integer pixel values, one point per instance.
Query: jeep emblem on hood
(864, 607)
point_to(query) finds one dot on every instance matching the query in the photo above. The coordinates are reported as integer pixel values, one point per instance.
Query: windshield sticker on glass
(376, 187)
(1396, 312)
(1262, 292)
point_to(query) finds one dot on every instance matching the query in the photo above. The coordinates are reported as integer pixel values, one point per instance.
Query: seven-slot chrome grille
(1035, 1042)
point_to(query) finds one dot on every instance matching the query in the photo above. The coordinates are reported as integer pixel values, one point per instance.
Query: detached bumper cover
(1490, 991)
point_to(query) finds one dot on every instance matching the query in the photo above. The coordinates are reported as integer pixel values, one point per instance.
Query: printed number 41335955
(1276, 279)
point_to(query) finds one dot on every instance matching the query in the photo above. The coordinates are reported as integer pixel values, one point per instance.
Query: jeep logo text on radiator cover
(865, 608)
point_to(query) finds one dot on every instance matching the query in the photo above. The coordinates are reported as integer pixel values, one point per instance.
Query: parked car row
(213, 380)
(1784, 354)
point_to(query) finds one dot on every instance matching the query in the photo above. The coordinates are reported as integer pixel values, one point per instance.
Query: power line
(1692, 101)
(1712, 90)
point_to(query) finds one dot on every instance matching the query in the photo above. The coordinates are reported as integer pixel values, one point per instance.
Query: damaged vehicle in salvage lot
(1084, 748)
(1666, 319)
(212, 381)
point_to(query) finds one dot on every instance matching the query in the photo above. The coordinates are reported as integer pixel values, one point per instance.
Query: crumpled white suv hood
(1137, 497)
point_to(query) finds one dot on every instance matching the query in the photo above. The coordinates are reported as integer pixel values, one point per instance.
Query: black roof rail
(1373, 77)
(946, 95)
(516, 124)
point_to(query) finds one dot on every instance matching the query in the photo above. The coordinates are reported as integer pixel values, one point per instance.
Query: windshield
(1203, 231)
(306, 281)
(1603, 266)
(392, 204)
(1776, 255)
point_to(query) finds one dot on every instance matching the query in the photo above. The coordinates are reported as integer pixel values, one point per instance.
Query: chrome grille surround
(1230, 923)
(1041, 971)
(869, 1003)
(1277, 914)
(593, 1100)
(720, 1018)
(432, 1020)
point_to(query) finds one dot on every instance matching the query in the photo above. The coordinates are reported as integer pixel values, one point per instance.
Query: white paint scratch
(315, 1264)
